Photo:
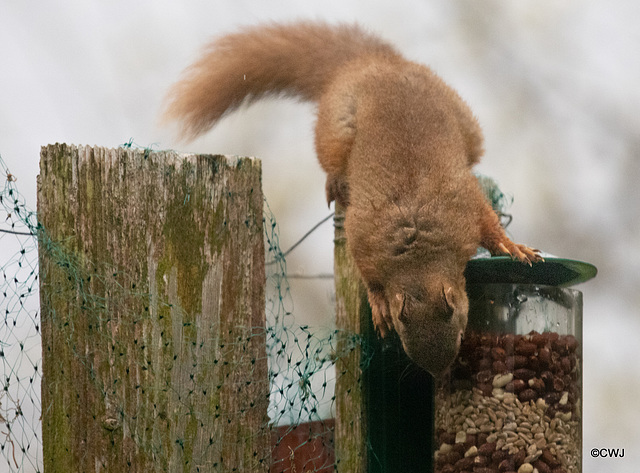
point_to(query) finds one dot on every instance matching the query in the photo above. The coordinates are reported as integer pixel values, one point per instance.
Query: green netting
(20, 352)
(301, 359)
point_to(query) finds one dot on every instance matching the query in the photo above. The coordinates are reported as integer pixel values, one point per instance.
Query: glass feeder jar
(512, 400)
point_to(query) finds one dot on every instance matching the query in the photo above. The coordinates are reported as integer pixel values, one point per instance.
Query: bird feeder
(512, 400)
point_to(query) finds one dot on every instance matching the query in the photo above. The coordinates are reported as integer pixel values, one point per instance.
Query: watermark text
(607, 452)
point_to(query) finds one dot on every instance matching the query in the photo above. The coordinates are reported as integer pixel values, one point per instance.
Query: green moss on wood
(350, 427)
(130, 382)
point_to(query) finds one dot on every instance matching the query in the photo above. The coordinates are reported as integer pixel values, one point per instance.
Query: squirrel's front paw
(517, 251)
(494, 239)
(380, 312)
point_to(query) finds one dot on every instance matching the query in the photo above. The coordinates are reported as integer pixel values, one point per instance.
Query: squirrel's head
(430, 320)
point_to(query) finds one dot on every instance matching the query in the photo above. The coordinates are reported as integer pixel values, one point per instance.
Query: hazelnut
(560, 345)
(536, 384)
(524, 374)
(499, 456)
(558, 384)
(484, 364)
(552, 398)
(506, 465)
(534, 363)
(499, 367)
(482, 469)
(451, 457)
(508, 343)
(470, 441)
(541, 466)
(515, 386)
(549, 458)
(463, 464)
(487, 449)
(571, 343)
(552, 336)
(544, 355)
(486, 389)
(526, 348)
(519, 457)
(447, 437)
(484, 377)
(568, 407)
(527, 395)
(547, 377)
(520, 361)
(538, 338)
(488, 340)
(498, 353)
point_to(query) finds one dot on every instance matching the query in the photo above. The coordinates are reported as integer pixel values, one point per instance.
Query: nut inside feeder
(512, 400)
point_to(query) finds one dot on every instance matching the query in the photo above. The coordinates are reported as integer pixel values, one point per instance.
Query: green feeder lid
(553, 271)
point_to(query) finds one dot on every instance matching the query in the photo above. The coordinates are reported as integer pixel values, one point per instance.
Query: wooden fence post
(152, 305)
(352, 313)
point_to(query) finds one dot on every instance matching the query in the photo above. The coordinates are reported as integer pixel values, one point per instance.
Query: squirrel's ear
(396, 306)
(448, 299)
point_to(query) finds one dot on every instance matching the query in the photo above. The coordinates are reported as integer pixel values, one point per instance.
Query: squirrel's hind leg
(335, 134)
(337, 189)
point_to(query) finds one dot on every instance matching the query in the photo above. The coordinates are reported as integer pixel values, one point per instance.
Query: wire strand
(304, 237)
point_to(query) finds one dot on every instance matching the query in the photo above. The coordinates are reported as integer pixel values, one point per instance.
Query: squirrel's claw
(337, 189)
(380, 312)
(520, 252)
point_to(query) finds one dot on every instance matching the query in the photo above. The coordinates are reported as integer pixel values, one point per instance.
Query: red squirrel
(397, 144)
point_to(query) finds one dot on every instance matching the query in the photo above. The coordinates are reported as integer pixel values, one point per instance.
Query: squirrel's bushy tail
(294, 60)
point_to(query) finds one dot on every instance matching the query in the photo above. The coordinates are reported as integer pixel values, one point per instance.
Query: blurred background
(554, 84)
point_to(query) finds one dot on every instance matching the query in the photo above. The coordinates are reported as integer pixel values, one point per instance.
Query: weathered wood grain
(352, 313)
(153, 324)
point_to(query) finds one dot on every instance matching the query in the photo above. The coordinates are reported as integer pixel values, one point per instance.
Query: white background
(555, 85)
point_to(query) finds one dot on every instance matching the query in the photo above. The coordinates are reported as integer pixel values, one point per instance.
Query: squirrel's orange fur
(397, 144)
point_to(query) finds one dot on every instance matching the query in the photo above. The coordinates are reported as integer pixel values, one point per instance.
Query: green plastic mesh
(301, 359)
(20, 341)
